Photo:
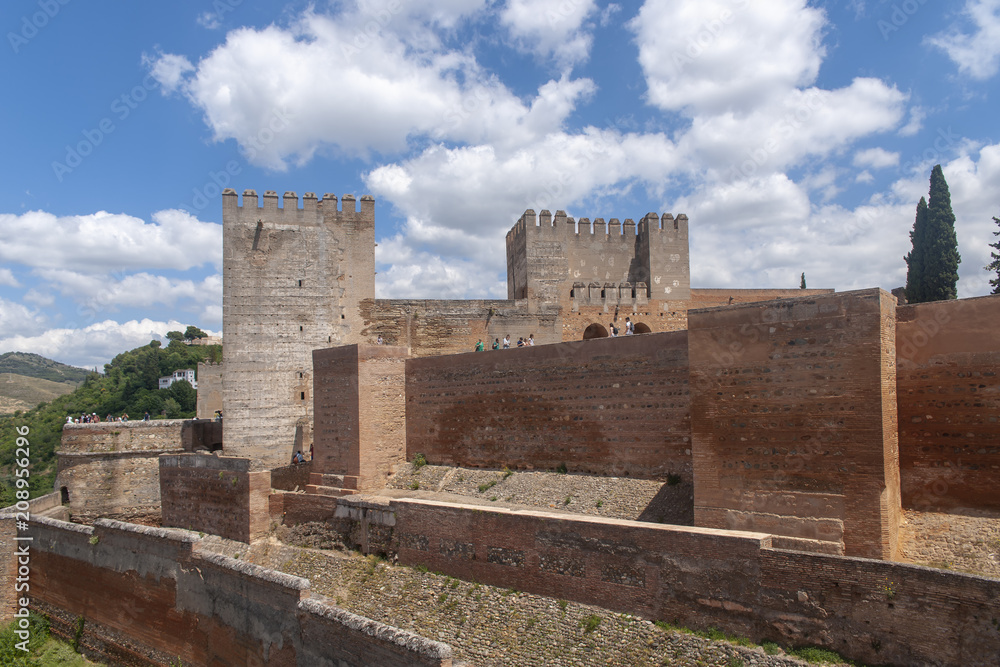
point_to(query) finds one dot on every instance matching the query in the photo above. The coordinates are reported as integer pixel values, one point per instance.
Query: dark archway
(64, 496)
(641, 327)
(595, 330)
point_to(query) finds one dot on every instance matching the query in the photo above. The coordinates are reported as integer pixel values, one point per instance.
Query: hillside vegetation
(37, 366)
(129, 385)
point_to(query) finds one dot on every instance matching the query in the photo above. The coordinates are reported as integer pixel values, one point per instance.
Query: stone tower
(553, 259)
(292, 281)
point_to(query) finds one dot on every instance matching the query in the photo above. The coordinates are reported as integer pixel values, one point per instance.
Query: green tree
(802, 281)
(915, 258)
(184, 394)
(193, 332)
(994, 266)
(942, 258)
(175, 335)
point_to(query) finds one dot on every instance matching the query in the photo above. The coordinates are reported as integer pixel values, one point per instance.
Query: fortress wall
(436, 327)
(710, 298)
(360, 431)
(873, 611)
(220, 495)
(112, 467)
(789, 403)
(611, 406)
(151, 595)
(949, 403)
(209, 389)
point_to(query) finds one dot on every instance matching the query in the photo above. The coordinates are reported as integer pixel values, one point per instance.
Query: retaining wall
(220, 495)
(152, 596)
(874, 611)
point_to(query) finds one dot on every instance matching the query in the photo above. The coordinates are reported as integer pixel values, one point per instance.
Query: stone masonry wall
(293, 279)
(220, 495)
(155, 596)
(789, 407)
(112, 467)
(609, 406)
(872, 611)
(949, 403)
(209, 389)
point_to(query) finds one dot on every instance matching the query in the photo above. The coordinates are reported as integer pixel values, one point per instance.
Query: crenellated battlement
(613, 228)
(312, 210)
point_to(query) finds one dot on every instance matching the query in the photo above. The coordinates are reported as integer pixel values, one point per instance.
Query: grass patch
(562, 469)
(568, 499)
(600, 503)
(419, 461)
(507, 472)
(771, 648)
(487, 486)
(415, 485)
(590, 623)
(818, 656)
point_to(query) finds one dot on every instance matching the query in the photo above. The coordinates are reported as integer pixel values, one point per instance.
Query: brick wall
(605, 406)
(949, 403)
(154, 596)
(220, 495)
(789, 420)
(359, 411)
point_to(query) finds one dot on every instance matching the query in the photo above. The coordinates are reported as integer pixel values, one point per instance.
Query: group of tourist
(94, 418)
(505, 345)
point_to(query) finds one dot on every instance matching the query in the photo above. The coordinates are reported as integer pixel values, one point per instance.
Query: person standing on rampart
(506, 342)
(479, 346)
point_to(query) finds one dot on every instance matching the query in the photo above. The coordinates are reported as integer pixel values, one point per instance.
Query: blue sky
(797, 136)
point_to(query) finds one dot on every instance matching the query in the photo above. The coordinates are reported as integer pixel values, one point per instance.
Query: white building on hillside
(185, 374)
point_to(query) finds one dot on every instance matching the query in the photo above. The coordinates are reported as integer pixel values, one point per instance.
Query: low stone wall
(153, 596)
(875, 611)
(221, 495)
(287, 478)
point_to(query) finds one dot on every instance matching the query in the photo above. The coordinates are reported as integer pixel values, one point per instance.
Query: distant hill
(20, 392)
(37, 366)
(29, 379)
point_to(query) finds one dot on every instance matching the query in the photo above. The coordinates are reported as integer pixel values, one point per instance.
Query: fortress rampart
(156, 596)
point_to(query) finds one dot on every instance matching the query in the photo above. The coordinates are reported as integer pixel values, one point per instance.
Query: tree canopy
(130, 384)
(193, 332)
(994, 266)
(932, 264)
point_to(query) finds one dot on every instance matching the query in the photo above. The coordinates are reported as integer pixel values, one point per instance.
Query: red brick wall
(949, 403)
(788, 412)
(874, 611)
(152, 596)
(611, 406)
(359, 412)
(214, 494)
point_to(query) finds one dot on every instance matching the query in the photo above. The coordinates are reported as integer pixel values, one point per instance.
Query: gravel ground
(967, 541)
(492, 627)
(613, 497)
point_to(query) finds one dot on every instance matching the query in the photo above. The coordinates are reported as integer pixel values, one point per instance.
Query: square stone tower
(292, 281)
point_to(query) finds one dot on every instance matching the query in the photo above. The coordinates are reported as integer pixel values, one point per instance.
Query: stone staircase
(322, 484)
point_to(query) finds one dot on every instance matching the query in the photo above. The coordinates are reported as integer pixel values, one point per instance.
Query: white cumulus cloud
(976, 53)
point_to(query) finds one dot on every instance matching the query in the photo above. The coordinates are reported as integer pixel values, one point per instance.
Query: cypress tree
(941, 258)
(915, 258)
(802, 281)
(995, 264)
